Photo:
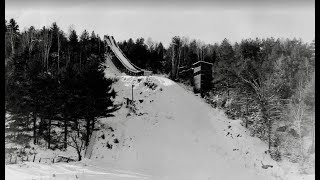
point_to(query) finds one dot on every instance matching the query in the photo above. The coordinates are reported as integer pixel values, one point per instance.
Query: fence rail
(15, 159)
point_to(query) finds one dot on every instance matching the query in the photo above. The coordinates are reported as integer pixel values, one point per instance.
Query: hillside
(177, 134)
(174, 134)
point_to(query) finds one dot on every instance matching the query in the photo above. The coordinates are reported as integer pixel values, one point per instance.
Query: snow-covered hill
(174, 134)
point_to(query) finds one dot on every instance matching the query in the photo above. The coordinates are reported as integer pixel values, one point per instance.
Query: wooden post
(40, 160)
(10, 157)
(34, 157)
(132, 93)
(16, 159)
(27, 158)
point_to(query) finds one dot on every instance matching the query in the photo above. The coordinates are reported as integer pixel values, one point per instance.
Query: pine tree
(97, 93)
(73, 47)
(13, 32)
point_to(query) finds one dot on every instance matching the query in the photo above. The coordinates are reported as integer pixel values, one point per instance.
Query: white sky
(208, 22)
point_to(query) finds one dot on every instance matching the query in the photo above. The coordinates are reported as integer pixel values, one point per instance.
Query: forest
(55, 86)
(267, 83)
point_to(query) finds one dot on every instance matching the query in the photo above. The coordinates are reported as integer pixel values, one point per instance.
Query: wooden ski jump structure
(120, 61)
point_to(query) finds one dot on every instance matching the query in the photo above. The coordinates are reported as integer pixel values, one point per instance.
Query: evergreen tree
(73, 47)
(13, 33)
(96, 91)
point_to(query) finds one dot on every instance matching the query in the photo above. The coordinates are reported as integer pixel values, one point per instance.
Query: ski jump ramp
(115, 56)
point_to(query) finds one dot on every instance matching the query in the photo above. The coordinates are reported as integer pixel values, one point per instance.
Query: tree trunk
(12, 43)
(299, 117)
(68, 60)
(88, 131)
(173, 64)
(48, 50)
(49, 134)
(47, 62)
(93, 123)
(65, 133)
(247, 112)
(178, 63)
(269, 134)
(266, 120)
(58, 51)
(12, 48)
(300, 138)
(34, 129)
(99, 45)
(228, 87)
(78, 128)
(80, 62)
(312, 147)
(39, 130)
(313, 136)
(79, 155)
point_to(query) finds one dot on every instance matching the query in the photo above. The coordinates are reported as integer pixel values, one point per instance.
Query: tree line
(268, 83)
(55, 85)
(271, 85)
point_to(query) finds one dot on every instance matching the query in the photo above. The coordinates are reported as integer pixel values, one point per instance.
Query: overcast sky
(209, 21)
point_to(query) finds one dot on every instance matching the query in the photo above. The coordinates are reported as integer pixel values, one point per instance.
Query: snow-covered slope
(174, 134)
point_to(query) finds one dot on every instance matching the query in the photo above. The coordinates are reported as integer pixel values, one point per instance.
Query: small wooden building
(202, 76)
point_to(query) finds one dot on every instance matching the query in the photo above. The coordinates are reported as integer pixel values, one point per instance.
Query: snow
(128, 81)
(58, 171)
(111, 70)
(89, 149)
(180, 137)
(121, 57)
(175, 135)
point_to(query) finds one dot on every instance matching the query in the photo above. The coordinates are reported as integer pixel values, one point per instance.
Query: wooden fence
(14, 159)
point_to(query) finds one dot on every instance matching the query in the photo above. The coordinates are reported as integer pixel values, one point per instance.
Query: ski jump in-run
(115, 57)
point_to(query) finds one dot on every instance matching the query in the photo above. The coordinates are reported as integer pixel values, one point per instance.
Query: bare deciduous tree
(77, 143)
(46, 44)
(12, 31)
(59, 45)
(266, 93)
(28, 39)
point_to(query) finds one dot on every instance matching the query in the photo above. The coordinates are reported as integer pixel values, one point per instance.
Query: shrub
(275, 154)
(27, 146)
(23, 139)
